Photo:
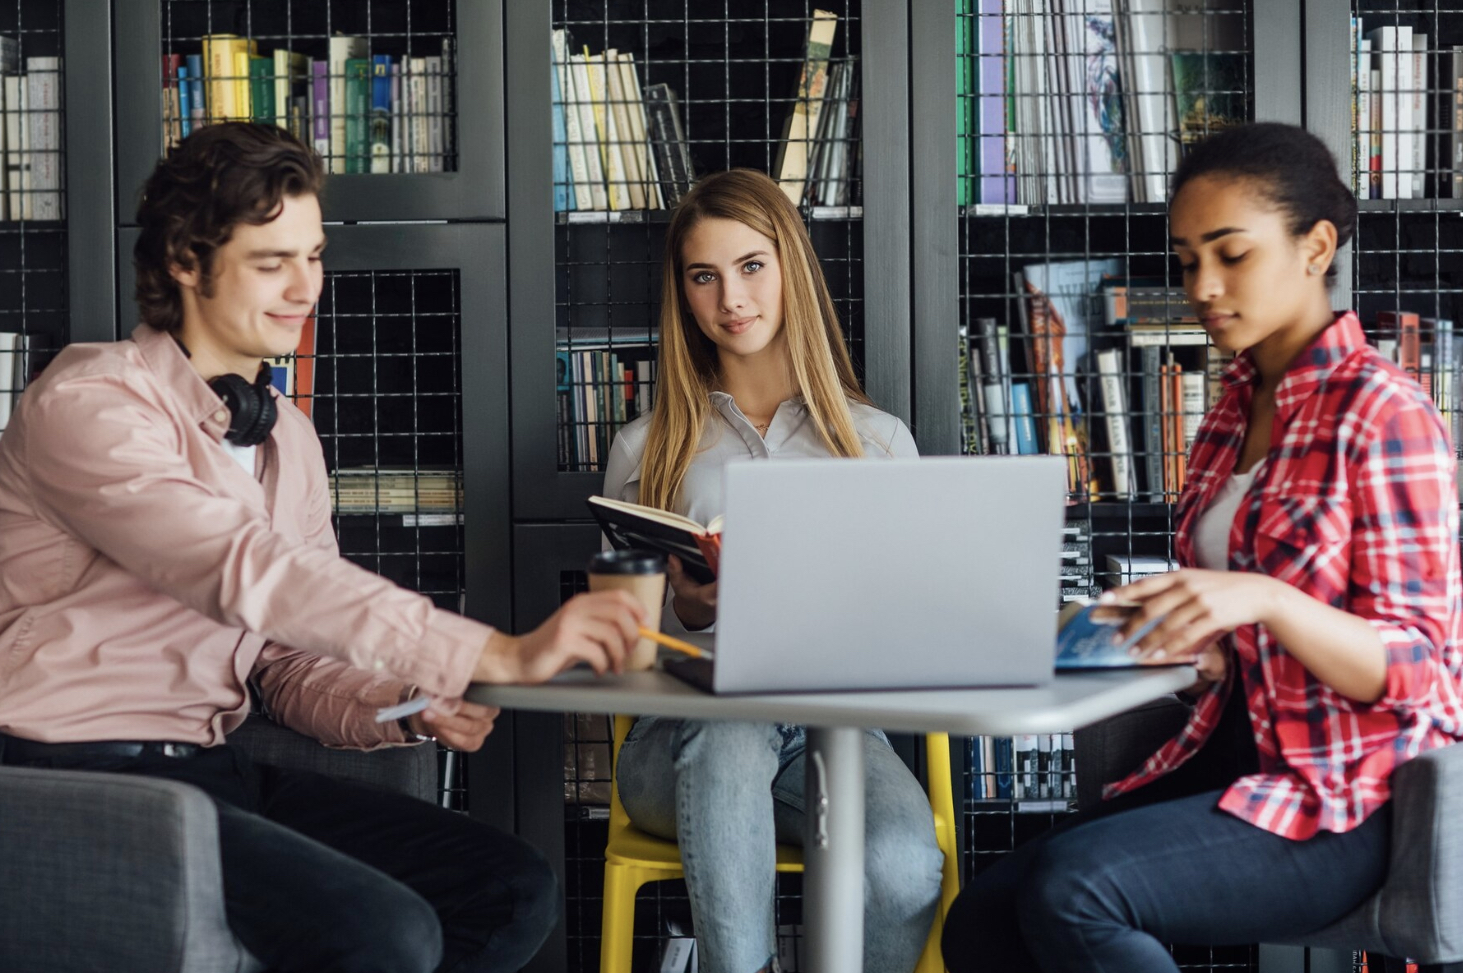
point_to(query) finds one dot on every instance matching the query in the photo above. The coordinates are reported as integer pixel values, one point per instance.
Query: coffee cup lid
(630, 561)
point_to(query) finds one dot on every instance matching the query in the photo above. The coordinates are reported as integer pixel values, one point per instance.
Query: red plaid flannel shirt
(1356, 505)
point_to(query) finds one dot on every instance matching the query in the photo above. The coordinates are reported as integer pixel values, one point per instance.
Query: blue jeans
(1103, 891)
(728, 792)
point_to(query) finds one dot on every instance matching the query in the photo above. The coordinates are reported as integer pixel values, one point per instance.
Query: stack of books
(621, 145)
(363, 113)
(617, 146)
(603, 381)
(1088, 101)
(30, 136)
(1402, 93)
(370, 490)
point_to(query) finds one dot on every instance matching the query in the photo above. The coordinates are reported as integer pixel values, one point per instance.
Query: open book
(633, 525)
(1087, 637)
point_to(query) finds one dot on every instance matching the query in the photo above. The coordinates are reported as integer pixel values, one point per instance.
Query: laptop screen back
(867, 574)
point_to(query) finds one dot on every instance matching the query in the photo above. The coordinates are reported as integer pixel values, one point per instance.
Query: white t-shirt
(1211, 531)
(243, 455)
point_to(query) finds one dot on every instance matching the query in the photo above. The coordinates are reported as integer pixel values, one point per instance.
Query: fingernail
(1158, 653)
(1106, 598)
(1135, 652)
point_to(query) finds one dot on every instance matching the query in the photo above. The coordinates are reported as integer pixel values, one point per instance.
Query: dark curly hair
(218, 177)
(1288, 166)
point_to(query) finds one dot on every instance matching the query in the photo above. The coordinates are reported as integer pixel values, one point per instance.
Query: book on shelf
(600, 385)
(1060, 308)
(637, 132)
(294, 375)
(620, 142)
(606, 133)
(173, 108)
(790, 169)
(1112, 371)
(966, 102)
(386, 490)
(1209, 93)
(357, 115)
(379, 128)
(14, 371)
(632, 525)
(43, 117)
(991, 122)
(1125, 569)
(17, 150)
(668, 139)
(568, 147)
(350, 106)
(1388, 43)
(1128, 301)
(1450, 120)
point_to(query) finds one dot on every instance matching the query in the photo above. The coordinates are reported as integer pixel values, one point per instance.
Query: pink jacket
(145, 576)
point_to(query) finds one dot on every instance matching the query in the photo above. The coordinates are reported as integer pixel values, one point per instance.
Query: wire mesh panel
(650, 95)
(1407, 154)
(33, 282)
(380, 376)
(369, 83)
(1076, 337)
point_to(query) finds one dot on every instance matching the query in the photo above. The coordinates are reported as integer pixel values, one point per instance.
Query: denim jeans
(1103, 891)
(323, 875)
(728, 792)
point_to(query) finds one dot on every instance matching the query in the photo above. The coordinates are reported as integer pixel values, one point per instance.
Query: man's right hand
(599, 628)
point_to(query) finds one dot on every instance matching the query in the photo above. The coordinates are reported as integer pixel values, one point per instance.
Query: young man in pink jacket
(167, 535)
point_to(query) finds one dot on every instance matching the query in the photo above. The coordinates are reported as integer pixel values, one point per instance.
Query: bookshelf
(1052, 193)
(1402, 257)
(464, 177)
(34, 238)
(595, 274)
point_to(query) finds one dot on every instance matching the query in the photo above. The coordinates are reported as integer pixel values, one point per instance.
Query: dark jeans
(1105, 890)
(323, 875)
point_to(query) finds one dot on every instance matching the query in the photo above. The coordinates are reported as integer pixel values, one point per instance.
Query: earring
(1313, 269)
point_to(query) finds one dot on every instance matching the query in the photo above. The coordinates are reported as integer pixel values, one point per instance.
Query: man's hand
(694, 603)
(599, 628)
(456, 723)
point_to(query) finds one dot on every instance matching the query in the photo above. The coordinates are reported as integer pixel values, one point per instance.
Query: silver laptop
(886, 574)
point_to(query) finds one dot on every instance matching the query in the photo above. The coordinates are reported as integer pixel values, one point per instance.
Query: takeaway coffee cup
(642, 573)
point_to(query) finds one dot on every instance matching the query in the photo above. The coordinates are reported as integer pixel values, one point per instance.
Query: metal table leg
(833, 850)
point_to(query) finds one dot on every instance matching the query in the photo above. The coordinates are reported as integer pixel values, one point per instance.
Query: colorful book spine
(1022, 420)
(320, 103)
(563, 183)
(380, 125)
(997, 179)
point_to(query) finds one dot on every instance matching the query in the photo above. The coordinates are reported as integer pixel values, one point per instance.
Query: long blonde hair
(821, 369)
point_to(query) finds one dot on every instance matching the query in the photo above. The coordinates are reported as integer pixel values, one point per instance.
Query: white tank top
(1211, 530)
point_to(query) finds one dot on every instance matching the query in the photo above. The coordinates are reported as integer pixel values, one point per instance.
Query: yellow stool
(633, 858)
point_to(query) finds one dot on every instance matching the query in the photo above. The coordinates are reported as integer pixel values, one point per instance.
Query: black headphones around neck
(252, 412)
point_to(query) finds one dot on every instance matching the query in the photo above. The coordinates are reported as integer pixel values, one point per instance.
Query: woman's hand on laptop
(695, 604)
(598, 628)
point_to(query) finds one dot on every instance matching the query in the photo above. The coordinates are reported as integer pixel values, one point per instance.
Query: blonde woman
(753, 366)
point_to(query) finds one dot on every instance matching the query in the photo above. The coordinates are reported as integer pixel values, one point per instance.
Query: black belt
(15, 750)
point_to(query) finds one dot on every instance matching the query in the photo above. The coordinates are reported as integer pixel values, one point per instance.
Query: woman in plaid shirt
(1319, 597)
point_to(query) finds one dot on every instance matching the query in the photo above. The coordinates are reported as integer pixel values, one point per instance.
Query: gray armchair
(121, 873)
(1418, 911)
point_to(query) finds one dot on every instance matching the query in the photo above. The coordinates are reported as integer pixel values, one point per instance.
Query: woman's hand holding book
(694, 603)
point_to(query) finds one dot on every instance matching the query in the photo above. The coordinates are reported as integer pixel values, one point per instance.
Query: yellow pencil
(670, 643)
